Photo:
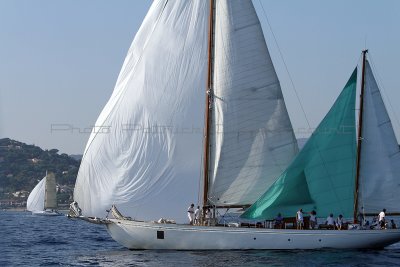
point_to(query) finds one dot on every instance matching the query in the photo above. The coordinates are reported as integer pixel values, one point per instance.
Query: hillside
(22, 166)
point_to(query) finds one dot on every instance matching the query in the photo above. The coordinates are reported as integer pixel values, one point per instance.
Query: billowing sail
(252, 140)
(50, 200)
(35, 200)
(379, 180)
(146, 152)
(321, 177)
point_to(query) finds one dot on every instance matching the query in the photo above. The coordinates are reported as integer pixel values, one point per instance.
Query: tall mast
(208, 100)
(359, 137)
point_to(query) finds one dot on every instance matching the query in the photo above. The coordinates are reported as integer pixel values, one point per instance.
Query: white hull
(46, 213)
(143, 235)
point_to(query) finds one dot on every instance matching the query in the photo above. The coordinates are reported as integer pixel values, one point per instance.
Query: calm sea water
(27, 240)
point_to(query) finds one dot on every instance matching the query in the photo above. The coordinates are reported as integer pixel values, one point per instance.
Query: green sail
(321, 177)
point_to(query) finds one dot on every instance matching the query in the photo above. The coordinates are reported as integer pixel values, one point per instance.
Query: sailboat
(43, 198)
(161, 134)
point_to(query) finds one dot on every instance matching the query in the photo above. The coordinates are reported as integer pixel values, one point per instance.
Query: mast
(359, 137)
(208, 100)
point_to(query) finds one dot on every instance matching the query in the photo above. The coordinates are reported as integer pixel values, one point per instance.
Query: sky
(59, 60)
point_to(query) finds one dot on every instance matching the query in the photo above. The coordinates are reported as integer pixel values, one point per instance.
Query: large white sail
(50, 200)
(379, 180)
(146, 153)
(35, 200)
(252, 139)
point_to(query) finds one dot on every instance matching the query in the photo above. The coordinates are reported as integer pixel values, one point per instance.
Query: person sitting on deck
(330, 222)
(339, 222)
(381, 219)
(208, 217)
(313, 219)
(279, 221)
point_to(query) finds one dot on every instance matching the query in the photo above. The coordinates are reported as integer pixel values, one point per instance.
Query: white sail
(252, 138)
(146, 153)
(379, 181)
(35, 200)
(50, 200)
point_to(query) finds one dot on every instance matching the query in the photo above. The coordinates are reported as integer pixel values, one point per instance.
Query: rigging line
(357, 111)
(291, 80)
(357, 108)
(284, 63)
(380, 84)
(296, 93)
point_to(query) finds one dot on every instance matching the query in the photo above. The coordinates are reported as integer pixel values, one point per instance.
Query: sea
(29, 240)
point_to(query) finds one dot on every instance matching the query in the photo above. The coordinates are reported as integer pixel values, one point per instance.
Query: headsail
(379, 181)
(35, 200)
(252, 139)
(321, 177)
(147, 159)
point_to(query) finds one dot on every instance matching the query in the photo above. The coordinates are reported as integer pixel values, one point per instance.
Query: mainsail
(321, 177)
(50, 199)
(252, 139)
(379, 183)
(35, 200)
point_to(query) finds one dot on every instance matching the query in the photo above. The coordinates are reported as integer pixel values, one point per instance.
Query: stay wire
(324, 163)
(383, 89)
(284, 63)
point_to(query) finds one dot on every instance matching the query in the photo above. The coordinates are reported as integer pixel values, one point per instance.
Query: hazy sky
(59, 60)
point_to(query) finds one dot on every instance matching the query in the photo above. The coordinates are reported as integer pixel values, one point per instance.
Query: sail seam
(383, 123)
(246, 26)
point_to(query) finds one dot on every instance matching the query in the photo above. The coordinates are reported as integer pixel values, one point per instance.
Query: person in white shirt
(313, 219)
(197, 216)
(381, 219)
(191, 213)
(330, 221)
(339, 222)
(208, 217)
(300, 219)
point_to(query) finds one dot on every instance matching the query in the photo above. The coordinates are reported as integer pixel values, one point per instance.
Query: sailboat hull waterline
(142, 235)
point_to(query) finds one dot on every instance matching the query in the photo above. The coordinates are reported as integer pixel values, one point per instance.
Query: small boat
(161, 133)
(43, 198)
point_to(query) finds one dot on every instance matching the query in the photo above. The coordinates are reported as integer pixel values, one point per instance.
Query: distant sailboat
(43, 198)
(147, 163)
